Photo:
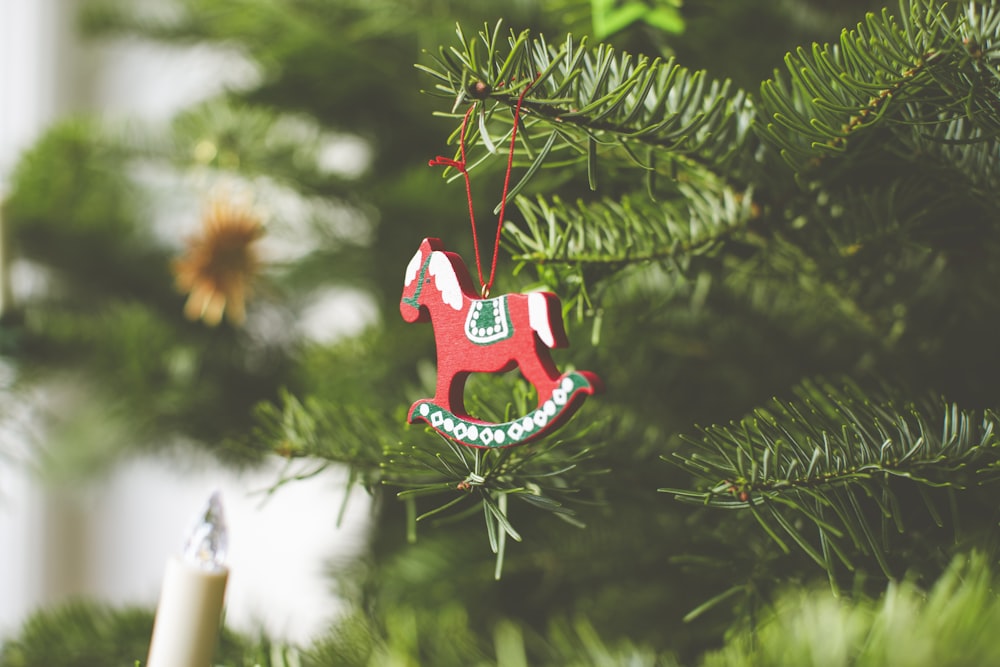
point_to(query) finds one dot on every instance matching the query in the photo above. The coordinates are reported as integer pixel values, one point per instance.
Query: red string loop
(462, 167)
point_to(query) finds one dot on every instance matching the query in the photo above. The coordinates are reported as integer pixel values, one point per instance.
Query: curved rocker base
(565, 399)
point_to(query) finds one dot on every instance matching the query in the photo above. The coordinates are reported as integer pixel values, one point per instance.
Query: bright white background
(109, 539)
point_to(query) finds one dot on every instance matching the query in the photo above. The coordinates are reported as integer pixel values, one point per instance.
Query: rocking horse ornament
(475, 334)
(479, 335)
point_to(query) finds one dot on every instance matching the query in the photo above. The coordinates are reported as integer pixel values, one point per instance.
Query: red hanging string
(461, 166)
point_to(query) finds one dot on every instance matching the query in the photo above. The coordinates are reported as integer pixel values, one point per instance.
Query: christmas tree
(770, 236)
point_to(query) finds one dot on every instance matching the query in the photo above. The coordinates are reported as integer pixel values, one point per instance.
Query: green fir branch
(595, 99)
(949, 624)
(545, 475)
(611, 234)
(82, 632)
(230, 137)
(920, 75)
(832, 460)
(320, 432)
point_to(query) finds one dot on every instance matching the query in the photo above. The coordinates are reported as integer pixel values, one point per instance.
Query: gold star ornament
(221, 263)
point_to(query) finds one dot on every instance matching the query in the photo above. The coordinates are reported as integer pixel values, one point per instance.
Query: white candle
(194, 587)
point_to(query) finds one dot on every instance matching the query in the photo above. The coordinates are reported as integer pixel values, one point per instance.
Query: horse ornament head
(479, 335)
(433, 267)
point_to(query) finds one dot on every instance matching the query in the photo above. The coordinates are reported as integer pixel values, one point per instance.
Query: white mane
(412, 268)
(445, 279)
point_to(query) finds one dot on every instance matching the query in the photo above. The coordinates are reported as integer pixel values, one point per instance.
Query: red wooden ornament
(477, 335)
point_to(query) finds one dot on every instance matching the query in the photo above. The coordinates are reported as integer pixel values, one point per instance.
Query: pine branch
(313, 433)
(221, 134)
(833, 460)
(443, 636)
(591, 240)
(950, 624)
(326, 431)
(588, 101)
(927, 76)
(610, 234)
(545, 476)
(86, 633)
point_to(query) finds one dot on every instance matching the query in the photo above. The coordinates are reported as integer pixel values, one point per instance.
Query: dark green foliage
(111, 309)
(86, 634)
(850, 469)
(447, 640)
(81, 635)
(951, 624)
(70, 184)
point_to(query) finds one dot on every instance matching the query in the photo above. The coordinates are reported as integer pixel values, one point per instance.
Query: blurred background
(108, 537)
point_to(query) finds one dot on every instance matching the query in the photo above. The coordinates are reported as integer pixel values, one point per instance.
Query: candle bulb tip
(208, 541)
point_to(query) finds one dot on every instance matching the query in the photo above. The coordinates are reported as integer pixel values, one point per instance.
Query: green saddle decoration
(488, 321)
